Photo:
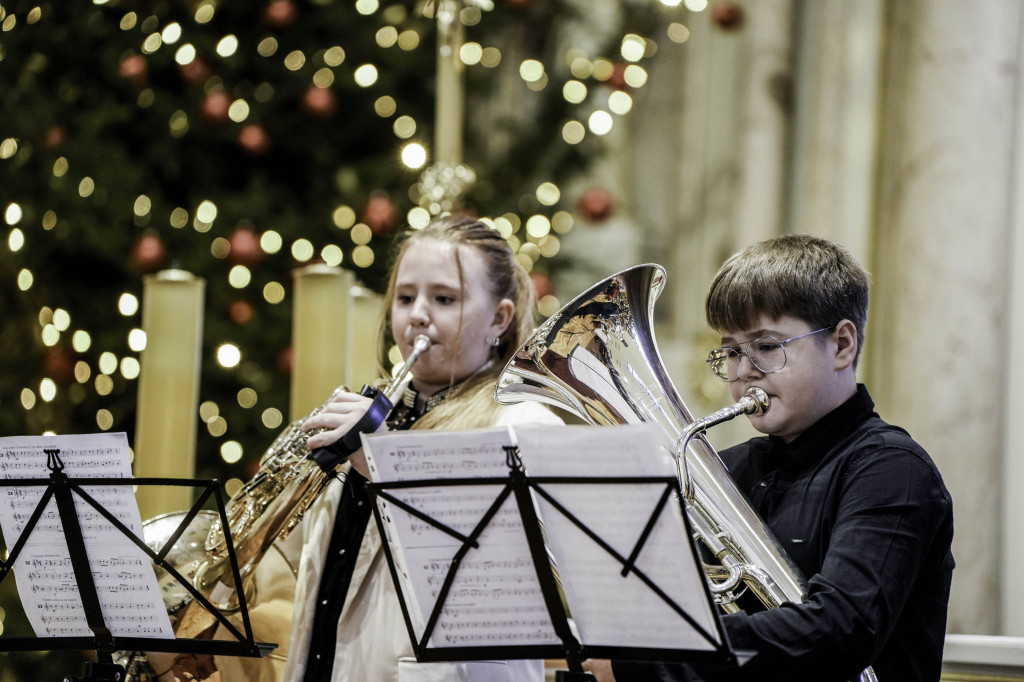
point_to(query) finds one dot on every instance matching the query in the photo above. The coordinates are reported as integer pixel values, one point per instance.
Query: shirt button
(763, 484)
(341, 551)
(324, 602)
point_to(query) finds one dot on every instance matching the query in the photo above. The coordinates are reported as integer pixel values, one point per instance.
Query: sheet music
(610, 609)
(495, 597)
(129, 597)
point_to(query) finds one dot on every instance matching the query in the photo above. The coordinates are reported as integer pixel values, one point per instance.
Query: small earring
(493, 341)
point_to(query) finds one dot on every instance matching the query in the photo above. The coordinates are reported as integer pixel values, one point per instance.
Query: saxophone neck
(392, 391)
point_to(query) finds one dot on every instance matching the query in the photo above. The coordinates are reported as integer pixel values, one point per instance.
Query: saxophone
(260, 514)
(597, 359)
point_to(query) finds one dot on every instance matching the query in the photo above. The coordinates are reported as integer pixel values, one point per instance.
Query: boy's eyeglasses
(766, 353)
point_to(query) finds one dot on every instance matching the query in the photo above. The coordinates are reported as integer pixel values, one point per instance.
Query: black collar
(825, 433)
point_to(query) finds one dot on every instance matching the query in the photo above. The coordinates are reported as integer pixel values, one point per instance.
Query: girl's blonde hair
(473, 404)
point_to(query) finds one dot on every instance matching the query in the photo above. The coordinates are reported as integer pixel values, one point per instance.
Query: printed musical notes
(126, 585)
(495, 595)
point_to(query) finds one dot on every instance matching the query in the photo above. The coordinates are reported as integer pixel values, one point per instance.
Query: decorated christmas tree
(238, 141)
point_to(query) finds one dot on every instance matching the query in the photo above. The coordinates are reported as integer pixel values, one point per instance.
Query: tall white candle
(168, 394)
(363, 328)
(319, 321)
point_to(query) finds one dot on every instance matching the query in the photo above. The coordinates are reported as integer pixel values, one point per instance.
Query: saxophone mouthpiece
(755, 401)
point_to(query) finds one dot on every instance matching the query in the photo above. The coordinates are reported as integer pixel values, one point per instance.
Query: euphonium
(263, 512)
(597, 358)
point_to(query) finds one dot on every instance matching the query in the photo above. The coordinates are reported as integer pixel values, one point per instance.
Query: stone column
(731, 172)
(937, 333)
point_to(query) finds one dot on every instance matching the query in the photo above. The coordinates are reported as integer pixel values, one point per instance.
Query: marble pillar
(945, 192)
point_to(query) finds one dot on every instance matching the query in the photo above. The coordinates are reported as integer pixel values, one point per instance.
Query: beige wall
(890, 126)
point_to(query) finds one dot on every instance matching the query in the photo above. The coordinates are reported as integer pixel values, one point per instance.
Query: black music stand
(60, 487)
(715, 649)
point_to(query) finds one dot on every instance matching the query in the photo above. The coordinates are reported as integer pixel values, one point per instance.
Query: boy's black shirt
(862, 510)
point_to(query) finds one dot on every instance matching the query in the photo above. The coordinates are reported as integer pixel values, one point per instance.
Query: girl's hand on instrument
(336, 419)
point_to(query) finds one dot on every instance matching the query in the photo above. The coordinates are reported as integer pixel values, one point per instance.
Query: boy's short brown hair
(806, 277)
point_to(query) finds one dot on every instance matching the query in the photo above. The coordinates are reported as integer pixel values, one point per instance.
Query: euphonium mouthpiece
(755, 401)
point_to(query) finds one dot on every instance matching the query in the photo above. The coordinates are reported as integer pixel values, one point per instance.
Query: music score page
(611, 609)
(496, 598)
(126, 584)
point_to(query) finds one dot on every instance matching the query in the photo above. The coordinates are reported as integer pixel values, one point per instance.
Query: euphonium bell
(597, 358)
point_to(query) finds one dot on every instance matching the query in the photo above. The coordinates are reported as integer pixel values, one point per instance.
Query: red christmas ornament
(244, 247)
(285, 361)
(254, 139)
(55, 136)
(241, 312)
(148, 254)
(195, 72)
(280, 14)
(542, 284)
(133, 68)
(319, 102)
(595, 205)
(618, 78)
(59, 365)
(214, 108)
(727, 15)
(380, 214)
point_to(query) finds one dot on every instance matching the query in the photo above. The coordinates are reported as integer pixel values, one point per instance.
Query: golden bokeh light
(271, 241)
(573, 132)
(228, 355)
(231, 451)
(246, 397)
(302, 250)
(171, 33)
(332, 254)
(227, 46)
(344, 217)
(104, 419)
(414, 155)
(273, 293)
(185, 54)
(362, 256)
(130, 368)
(334, 56)
(294, 60)
(272, 418)
(127, 304)
(239, 276)
(208, 411)
(137, 340)
(81, 341)
(365, 75)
